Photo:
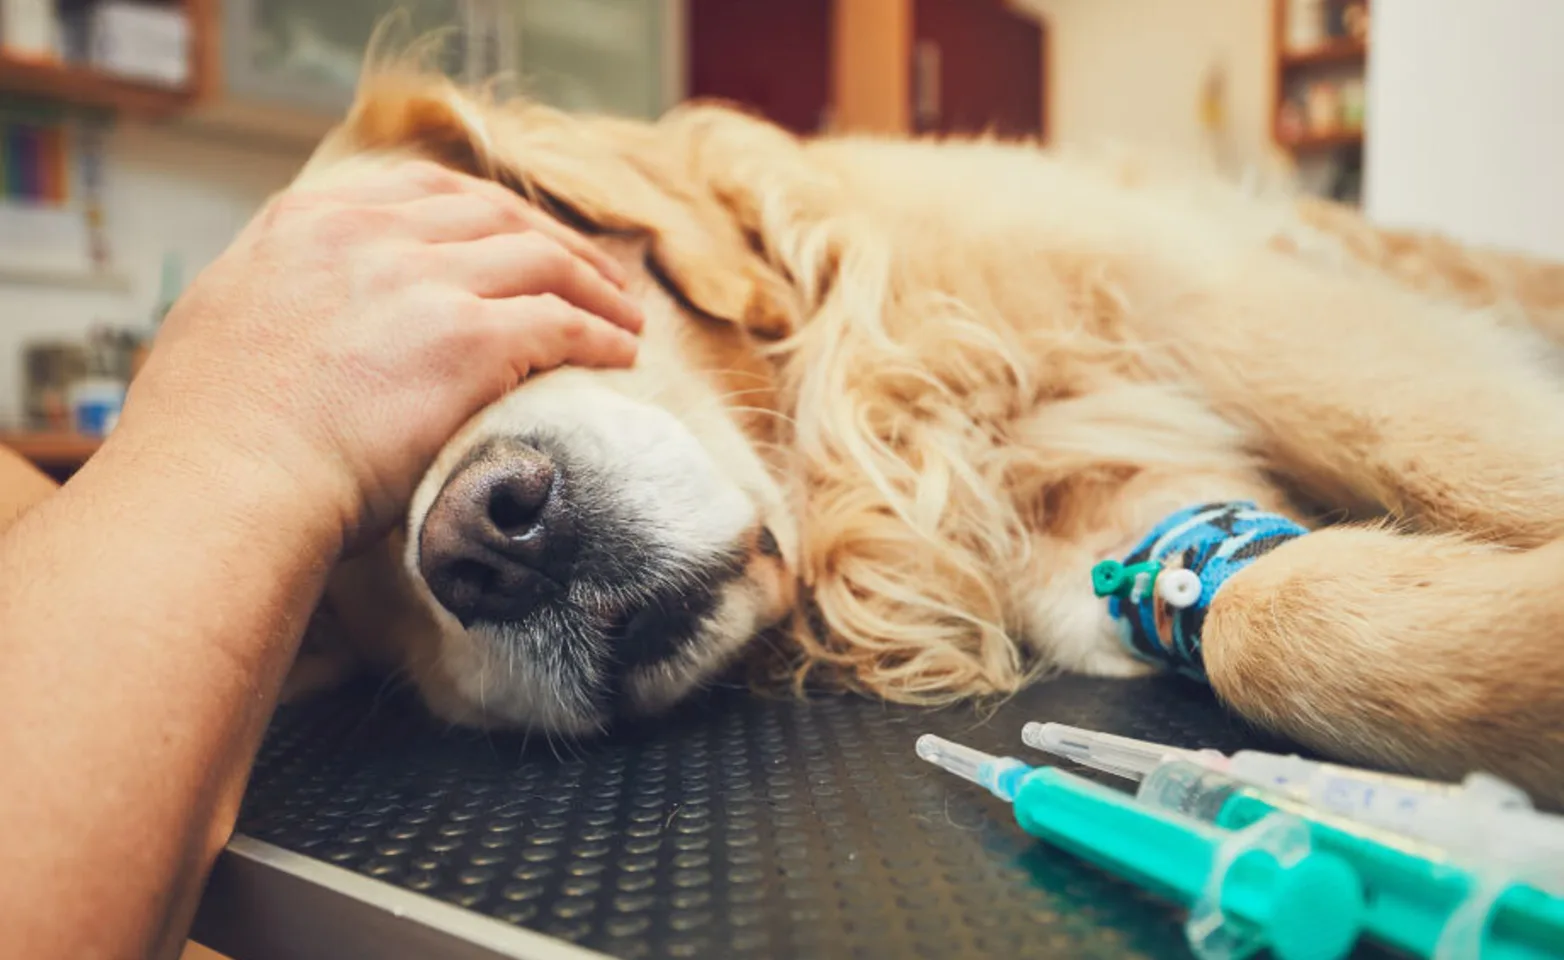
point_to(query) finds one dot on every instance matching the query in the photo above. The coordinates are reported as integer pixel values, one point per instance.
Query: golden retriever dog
(897, 398)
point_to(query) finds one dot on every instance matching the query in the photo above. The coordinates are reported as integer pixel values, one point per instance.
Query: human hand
(349, 332)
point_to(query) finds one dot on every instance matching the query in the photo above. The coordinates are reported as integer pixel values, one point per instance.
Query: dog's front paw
(325, 660)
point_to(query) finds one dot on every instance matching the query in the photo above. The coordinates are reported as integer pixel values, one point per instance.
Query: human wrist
(260, 483)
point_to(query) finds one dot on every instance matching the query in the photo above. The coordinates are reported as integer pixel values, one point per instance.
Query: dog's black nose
(494, 540)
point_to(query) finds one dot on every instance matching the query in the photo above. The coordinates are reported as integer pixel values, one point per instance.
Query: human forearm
(148, 613)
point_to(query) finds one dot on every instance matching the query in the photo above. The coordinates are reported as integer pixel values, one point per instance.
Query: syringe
(1439, 812)
(1419, 898)
(1261, 887)
(1120, 756)
(1126, 757)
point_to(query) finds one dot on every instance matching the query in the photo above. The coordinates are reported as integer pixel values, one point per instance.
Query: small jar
(95, 404)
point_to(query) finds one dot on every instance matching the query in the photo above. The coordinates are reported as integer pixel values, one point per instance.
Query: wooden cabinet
(881, 66)
(774, 59)
(59, 78)
(977, 66)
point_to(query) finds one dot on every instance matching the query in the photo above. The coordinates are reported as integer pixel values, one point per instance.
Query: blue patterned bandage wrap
(1214, 541)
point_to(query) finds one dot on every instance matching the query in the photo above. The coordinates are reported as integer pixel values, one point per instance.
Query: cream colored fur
(991, 367)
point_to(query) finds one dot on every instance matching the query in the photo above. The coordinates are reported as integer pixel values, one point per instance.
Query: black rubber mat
(741, 827)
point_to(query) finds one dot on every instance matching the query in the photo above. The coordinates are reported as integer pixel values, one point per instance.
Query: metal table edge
(263, 902)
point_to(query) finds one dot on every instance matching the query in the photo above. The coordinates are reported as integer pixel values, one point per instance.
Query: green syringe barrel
(1414, 888)
(1304, 905)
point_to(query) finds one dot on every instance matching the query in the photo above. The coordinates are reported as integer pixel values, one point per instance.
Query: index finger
(377, 183)
(554, 229)
(416, 178)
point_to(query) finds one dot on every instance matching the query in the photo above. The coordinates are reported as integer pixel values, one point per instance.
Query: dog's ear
(791, 209)
(598, 174)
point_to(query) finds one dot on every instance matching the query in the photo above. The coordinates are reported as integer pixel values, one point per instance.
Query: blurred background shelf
(1319, 64)
(1328, 140)
(65, 279)
(104, 54)
(50, 451)
(1334, 51)
(83, 86)
(1320, 51)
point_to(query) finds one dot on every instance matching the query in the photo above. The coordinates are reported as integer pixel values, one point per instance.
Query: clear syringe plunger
(1120, 756)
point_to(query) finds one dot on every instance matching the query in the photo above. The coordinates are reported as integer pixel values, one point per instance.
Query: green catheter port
(1110, 578)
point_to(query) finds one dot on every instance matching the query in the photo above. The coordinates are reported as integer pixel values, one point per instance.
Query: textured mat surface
(739, 827)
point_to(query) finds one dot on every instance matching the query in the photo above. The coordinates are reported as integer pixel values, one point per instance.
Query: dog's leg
(1429, 653)
(1057, 614)
(1370, 396)
(324, 660)
(1439, 651)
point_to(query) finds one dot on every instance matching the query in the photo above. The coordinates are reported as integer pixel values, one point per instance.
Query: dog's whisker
(765, 411)
(738, 372)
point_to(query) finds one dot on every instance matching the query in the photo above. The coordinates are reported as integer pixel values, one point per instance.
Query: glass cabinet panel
(595, 56)
(306, 54)
(586, 55)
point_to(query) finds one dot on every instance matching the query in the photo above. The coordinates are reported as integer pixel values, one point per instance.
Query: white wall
(1130, 72)
(164, 190)
(1466, 102)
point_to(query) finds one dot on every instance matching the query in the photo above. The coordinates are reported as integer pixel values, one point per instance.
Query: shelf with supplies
(51, 451)
(59, 454)
(1313, 142)
(1344, 51)
(1321, 51)
(138, 58)
(87, 87)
